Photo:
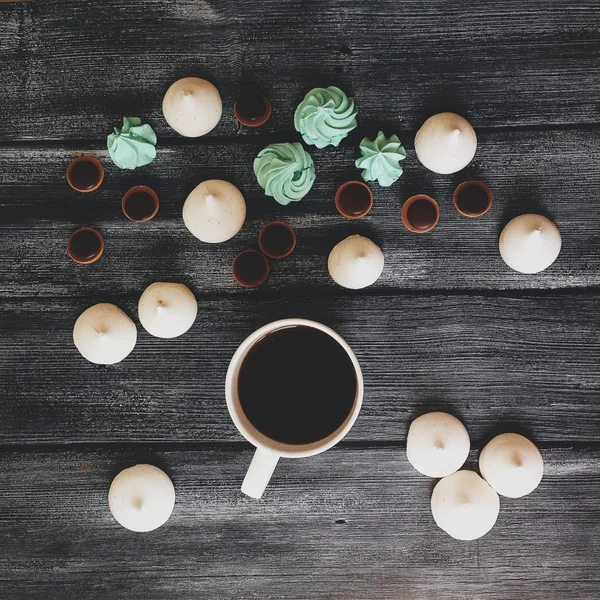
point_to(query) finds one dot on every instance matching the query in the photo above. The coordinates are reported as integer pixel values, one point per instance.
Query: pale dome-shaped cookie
(192, 106)
(355, 262)
(214, 211)
(512, 465)
(445, 143)
(167, 310)
(438, 444)
(104, 334)
(530, 243)
(464, 505)
(141, 498)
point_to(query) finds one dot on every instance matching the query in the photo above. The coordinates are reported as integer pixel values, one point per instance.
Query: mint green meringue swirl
(325, 117)
(380, 159)
(285, 171)
(133, 145)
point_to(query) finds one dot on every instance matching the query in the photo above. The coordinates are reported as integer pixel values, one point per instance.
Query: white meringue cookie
(192, 106)
(214, 211)
(446, 143)
(141, 498)
(104, 334)
(530, 243)
(464, 505)
(512, 465)
(355, 262)
(167, 310)
(438, 444)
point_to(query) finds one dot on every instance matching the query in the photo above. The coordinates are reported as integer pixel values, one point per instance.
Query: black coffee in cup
(297, 385)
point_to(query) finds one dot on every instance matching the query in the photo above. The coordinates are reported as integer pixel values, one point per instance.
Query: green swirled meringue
(380, 159)
(285, 171)
(133, 145)
(325, 117)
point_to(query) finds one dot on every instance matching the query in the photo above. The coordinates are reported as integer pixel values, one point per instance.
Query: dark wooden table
(448, 326)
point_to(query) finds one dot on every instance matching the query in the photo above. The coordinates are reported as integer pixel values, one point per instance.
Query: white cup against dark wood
(269, 450)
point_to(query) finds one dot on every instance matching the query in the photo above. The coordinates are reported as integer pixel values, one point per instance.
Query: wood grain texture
(498, 363)
(350, 523)
(71, 70)
(555, 173)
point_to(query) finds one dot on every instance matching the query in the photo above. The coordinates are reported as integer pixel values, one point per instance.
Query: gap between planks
(282, 294)
(159, 446)
(250, 139)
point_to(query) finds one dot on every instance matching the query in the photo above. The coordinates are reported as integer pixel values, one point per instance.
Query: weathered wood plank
(460, 584)
(350, 523)
(71, 70)
(555, 173)
(528, 363)
(436, 584)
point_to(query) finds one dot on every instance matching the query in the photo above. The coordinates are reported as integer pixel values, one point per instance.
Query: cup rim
(270, 254)
(477, 183)
(409, 203)
(338, 194)
(259, 281)
(257, 122)
(96, 256)
(140, 188)
(87, 158)
(248, 430)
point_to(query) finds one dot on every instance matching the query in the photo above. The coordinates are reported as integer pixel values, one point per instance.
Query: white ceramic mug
(268, 451)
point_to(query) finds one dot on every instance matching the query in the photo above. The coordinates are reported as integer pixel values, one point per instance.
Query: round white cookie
(141, 498)
(192, 106)
(530, 243)
(104, 334)
(464, 505)
(167, 310)
(446, 143)
(214, 211)
(355, 262)
(438, 444)
(512, 465)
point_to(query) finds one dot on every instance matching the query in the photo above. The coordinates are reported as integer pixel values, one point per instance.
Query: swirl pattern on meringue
(133, 145)
(325, 117)
(285, 171)
(380, 159)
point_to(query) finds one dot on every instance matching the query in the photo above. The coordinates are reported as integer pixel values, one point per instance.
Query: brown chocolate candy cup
(128, 210)
(70, 174)
(340, 207)
(405, 214)
(460, 206)
(246, 109)
(273, 248)
(250, 268)
(72, 246)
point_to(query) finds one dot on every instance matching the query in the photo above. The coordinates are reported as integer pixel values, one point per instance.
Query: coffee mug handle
(259, 474)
